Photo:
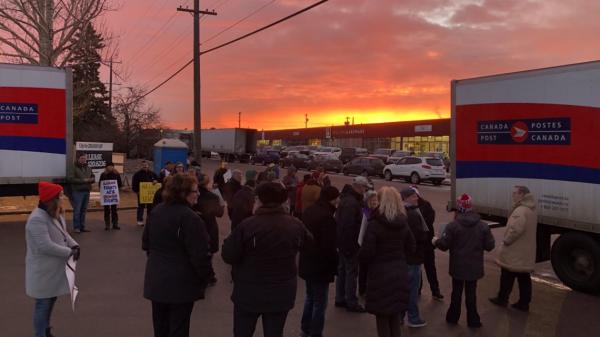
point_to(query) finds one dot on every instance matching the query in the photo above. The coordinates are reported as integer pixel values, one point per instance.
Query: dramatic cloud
(374, 60)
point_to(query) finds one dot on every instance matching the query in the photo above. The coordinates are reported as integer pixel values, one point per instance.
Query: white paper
(70, 271)
(227, 175)
(218, 193)
(109, 192)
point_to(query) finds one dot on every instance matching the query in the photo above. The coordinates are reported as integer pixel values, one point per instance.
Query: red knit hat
(48, 191)
(463, 204)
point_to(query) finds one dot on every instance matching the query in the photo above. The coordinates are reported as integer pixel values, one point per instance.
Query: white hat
(360, 180)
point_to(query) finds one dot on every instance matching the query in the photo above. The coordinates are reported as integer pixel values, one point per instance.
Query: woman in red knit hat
(49, 247)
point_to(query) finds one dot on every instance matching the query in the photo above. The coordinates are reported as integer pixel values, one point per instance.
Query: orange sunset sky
(374, 60)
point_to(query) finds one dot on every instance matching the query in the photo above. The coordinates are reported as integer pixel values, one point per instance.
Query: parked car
(328, 162)
(349, 153)
(265, 158)
(299, 160)
(397, 155)
(296, 148)
(328, 150)
(367, 166)
(417, 169)
(383, 154)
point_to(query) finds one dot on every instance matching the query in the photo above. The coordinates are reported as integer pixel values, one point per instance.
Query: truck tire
(388, 175)
(415, 179)
(576, 261)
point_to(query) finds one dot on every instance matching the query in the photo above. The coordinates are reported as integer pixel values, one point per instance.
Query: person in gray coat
(467, 237)
(49, 247)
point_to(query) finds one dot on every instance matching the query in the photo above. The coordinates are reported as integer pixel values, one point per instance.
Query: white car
(416, 170)
(330, 151)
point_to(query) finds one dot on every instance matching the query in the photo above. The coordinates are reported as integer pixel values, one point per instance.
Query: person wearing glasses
(178, 266)
(49, 247)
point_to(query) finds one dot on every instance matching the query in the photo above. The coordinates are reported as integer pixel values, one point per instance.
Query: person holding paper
(142, 176)
(110, 211)
(49, 247)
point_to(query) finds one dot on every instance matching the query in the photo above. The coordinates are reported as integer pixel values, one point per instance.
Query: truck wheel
(415, 179)
(576, 261)
(388, 175)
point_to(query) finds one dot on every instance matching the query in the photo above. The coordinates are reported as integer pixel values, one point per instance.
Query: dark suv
(265, 158)
(349, 153)
(366, 166)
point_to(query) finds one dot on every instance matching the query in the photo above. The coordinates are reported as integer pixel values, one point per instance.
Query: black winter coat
(349, 218)
(429, 215)
(242, 206)
(142, 176)
(421, 235)
(262, 250)
(320, 264)
(209, 207)
(466, 237)
(384, 249)
(176, 242)
(110, 176)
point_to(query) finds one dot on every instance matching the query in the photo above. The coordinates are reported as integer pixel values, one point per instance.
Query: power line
(239, 21)
(231, 42)
(154, 36)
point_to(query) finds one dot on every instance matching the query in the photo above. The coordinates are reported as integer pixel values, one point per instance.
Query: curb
(128, 208)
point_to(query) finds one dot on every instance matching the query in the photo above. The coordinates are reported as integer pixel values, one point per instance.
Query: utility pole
(110, 83)
(240, 119)
(306, 121)
(197, 121)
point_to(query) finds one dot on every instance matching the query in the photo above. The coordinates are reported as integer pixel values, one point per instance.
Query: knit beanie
(464, 203)
(271, 193)
(407, 192)
(48, 191)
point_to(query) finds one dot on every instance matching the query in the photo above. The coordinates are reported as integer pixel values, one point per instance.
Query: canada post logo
(18, 113)
(548, 131)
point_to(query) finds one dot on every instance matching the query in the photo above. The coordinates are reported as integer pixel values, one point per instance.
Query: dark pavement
(111, 271)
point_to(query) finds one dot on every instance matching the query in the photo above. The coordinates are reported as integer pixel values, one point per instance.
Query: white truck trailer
(231, 144)
(536, 128)
(35, 127)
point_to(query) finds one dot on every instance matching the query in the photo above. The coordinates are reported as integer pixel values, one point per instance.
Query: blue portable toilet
(169, 149)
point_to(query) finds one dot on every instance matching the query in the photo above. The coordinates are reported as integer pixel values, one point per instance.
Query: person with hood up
(419, 229)
(467, 237)
(386, 243)
(318, 267)
(518, 250)
(429, 252)
(349, 218)
(49, 248)
(262, 251)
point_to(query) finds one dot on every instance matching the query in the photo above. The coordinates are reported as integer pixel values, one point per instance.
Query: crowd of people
(370, 243)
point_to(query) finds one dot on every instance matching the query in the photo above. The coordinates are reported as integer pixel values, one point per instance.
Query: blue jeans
(313, 318)
(41, 315)
(345, 285)
(80, 201)
(414, 280)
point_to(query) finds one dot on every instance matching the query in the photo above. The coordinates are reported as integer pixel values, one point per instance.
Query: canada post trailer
(35, 127)
(232, 144)
(536, 128)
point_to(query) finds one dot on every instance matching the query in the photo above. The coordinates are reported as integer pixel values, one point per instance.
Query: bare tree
(134, 117)
(43, 31)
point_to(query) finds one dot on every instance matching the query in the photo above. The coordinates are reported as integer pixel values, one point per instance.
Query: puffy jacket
(262, 251)
(466, 237)
(518, 249)
(385, 247)
(176, 241)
